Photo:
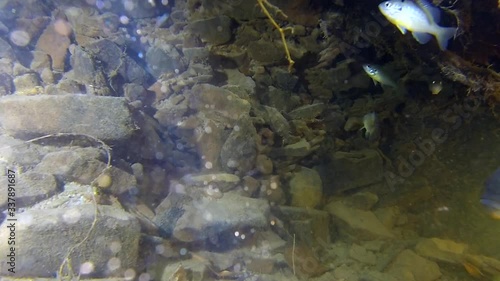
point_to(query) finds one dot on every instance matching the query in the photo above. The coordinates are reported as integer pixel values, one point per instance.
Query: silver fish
(378, 75)
(371, 126)
(420, 18)
(436, 86)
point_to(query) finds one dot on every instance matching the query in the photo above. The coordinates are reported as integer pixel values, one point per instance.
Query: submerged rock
(214, 31)
(39, 231)
(218, 104)
(27, 84)
(306, 188)
(311, 226)
(116, 62)
(105, 118)
(192, 218)
(222, 181)
(54, 43)
(409, 266)
(349, 170)
(307, 112)
(442, 250)
(164, 60)
(84, 165)
(239, 152)
(275, 120)
(240, 148)
(363, 225)
(31, 188)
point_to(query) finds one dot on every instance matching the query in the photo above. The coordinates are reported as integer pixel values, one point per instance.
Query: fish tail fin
(443, 35)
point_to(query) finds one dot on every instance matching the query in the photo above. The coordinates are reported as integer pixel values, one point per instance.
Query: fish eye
(387, 4)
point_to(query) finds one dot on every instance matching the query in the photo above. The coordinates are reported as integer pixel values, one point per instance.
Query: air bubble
(124, 19)
(115, 247)
(232, 164)
(62, 27)
(179, 188)
(129, 274)
(208, 165)
(26, 220)
(86, 268)
(160, 249)
(164, 88)
(20, 38)
(128, 5)
(183, 251)
(113, 264)
(72, 216)
(237, 267)
(144, 277)
(179, 146)
(99, 4)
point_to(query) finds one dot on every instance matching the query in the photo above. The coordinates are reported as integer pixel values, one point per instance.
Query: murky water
(466, 159)
(241, 140)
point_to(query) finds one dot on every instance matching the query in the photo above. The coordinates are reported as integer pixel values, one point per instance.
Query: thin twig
(293, 255)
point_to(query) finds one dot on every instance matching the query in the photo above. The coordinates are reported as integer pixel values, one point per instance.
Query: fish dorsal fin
(432, 13)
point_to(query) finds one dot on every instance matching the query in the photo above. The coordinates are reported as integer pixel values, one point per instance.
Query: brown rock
(409, 266)
(55, 45)
(264, 164)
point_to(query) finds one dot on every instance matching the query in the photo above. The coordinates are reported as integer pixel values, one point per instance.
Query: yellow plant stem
(262, 4)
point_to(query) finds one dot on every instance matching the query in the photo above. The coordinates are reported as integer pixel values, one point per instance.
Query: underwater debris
(477, 79)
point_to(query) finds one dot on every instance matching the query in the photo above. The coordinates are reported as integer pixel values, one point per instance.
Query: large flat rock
(43, 238)
(106, 118)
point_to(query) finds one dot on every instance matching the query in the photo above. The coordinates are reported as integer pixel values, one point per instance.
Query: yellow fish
(420, 18)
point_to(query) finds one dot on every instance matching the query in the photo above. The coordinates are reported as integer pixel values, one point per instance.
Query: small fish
(370, 124)
(491, 195)
(435, 87)
(378, 75)
(161, 20)
(420, 18)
